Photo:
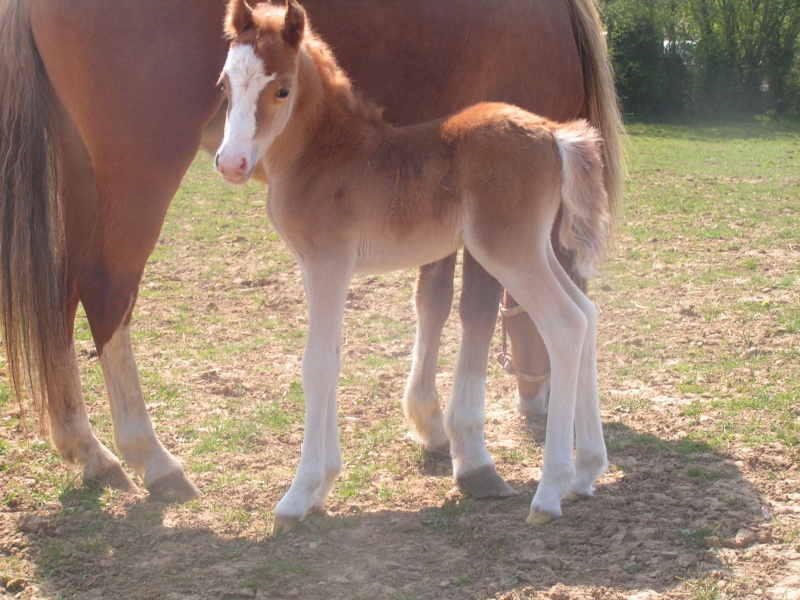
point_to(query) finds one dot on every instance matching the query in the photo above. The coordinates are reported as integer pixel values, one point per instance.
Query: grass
(699, 307)
(711, 217)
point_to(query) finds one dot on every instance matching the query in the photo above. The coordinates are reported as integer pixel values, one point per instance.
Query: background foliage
(705, 57)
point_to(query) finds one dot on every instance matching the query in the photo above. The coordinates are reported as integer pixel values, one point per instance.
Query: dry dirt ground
(222, 322)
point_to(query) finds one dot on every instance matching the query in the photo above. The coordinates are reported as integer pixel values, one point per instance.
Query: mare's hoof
(173, 487)
(539, 517)
(284, 525)
(114, 476)
(484, 482)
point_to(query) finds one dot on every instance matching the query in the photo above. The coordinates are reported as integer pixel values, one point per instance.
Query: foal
(350, 193)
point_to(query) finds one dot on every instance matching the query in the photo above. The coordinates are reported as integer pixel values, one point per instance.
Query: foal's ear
(239, 17)
(295, 23)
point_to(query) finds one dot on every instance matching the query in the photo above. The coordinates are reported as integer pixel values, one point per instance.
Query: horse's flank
(400, 194)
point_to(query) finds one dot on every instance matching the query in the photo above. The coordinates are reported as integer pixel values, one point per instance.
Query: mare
(103, 106)
(350, 193)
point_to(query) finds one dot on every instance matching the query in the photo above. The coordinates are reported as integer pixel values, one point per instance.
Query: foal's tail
(31, 226)
(586, 212)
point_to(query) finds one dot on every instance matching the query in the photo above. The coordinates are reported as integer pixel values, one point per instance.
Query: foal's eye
(283, 93)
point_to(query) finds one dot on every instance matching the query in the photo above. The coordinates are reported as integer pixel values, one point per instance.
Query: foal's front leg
(326, 283)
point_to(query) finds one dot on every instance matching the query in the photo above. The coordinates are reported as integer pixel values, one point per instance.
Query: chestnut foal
(350, 193)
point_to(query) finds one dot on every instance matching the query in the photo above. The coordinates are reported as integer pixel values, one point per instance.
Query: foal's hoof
(173, 487)
(435, 443)
(576, 497)
(114, 476)
(539, 517)
(442, 450)
(284, 525)
(484, 482)
(533, 408)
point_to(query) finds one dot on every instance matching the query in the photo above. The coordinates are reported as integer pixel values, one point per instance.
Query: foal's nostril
(216, 160)
(243, 165)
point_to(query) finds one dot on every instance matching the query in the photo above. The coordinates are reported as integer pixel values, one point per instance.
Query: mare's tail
(586, 211)
(602, 107)
(31, 226)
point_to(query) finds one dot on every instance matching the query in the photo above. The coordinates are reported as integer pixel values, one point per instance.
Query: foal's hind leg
(434, 296)
(591, 460)
(473, 467)
(528, 352)
(562, 323)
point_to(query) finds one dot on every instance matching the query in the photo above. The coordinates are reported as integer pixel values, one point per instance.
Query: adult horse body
(103, 107)
(350, 193)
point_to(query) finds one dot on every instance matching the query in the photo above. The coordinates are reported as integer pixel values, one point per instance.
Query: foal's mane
(334, 80)
(337, 83)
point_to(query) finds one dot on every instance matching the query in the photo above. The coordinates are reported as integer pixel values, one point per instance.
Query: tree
(708, 56)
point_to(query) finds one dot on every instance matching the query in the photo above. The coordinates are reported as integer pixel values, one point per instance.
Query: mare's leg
(108, 286)
(473, 467)
(140, 127)
(134, 435)
(72, 435)
(326, 283)
(591, 460)
(434, 296)
(70, 430)
(531, 364)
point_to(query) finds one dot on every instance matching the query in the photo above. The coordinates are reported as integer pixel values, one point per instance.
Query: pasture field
(699, 358)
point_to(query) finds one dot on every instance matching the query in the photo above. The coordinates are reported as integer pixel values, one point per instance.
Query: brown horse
(103, 107)
(350, 193)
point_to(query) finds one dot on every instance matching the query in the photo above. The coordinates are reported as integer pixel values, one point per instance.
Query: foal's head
(259, 77)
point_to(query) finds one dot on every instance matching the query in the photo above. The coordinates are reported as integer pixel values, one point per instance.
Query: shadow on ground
(648, 527)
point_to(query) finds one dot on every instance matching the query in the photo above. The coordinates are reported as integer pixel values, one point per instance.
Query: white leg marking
(464, 420)
(562, 325)
(534, 406)
(326, 281)
(421, 400)
(74, 439)
(591, 458)
(134, 436)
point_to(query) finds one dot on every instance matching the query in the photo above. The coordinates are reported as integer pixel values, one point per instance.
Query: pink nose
(233, 167)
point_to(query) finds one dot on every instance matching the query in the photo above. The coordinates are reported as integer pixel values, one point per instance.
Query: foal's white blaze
(247, 79)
